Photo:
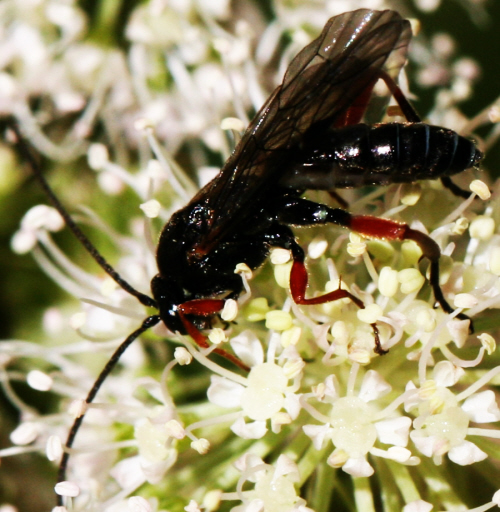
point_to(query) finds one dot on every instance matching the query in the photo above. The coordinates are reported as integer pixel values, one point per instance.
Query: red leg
(358, 108)
(374, 227)
(205, 307)
(301, 212)
(354, 114)
(298, 286)
(408, 111)
(391, 230)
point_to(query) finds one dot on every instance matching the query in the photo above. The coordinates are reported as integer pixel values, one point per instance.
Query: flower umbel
(174, 427)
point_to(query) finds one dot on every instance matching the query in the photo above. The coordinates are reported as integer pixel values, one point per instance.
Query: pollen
(278, 320)
(230, 310)
(279, 256)
(388, 282)
(282, 274)
(481, 189)
(411, 280)
(151, 208)
(370, 314)
(482, 228)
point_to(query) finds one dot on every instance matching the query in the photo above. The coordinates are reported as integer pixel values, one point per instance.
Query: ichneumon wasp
(308, 135)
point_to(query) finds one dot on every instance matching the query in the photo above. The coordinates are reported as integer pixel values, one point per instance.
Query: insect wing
(320, 85)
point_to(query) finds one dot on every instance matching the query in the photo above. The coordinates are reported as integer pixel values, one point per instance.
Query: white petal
(154, 472)
(317, 433)
(358, 467)
(459, 331)
(303, 508)
(447, 374)
(192, 506)
(128, 473)
(399, 454)
(332, 387)
(151, 440)
(174, 428)
(248, 348)
(151, 208)
(413, 400)
(373, 386)
(256, 505)
(394, 431)
(466, 453)
(286, 466)
(224, 392)
(292, 404)
(254, 430)
(482, 407)
(249, 461)
(138, 504)
(425, 444)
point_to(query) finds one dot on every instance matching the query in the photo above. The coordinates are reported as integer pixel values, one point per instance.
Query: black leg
(411, 116)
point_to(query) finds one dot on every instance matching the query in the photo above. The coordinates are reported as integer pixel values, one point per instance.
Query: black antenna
(89, 246)
(149, 322)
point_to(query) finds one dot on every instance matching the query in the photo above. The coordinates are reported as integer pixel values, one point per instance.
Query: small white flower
(354, 428)
(418, 506)
(248, 348)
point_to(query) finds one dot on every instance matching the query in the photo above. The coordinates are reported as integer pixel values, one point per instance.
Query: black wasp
(306, 136)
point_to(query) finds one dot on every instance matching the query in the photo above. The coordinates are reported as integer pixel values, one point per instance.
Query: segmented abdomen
(360, 155)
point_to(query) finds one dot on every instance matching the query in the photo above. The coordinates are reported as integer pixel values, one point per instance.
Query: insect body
(303, 138)
(306, 136)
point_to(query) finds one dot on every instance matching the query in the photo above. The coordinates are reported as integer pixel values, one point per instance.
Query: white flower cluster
(194, 434)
